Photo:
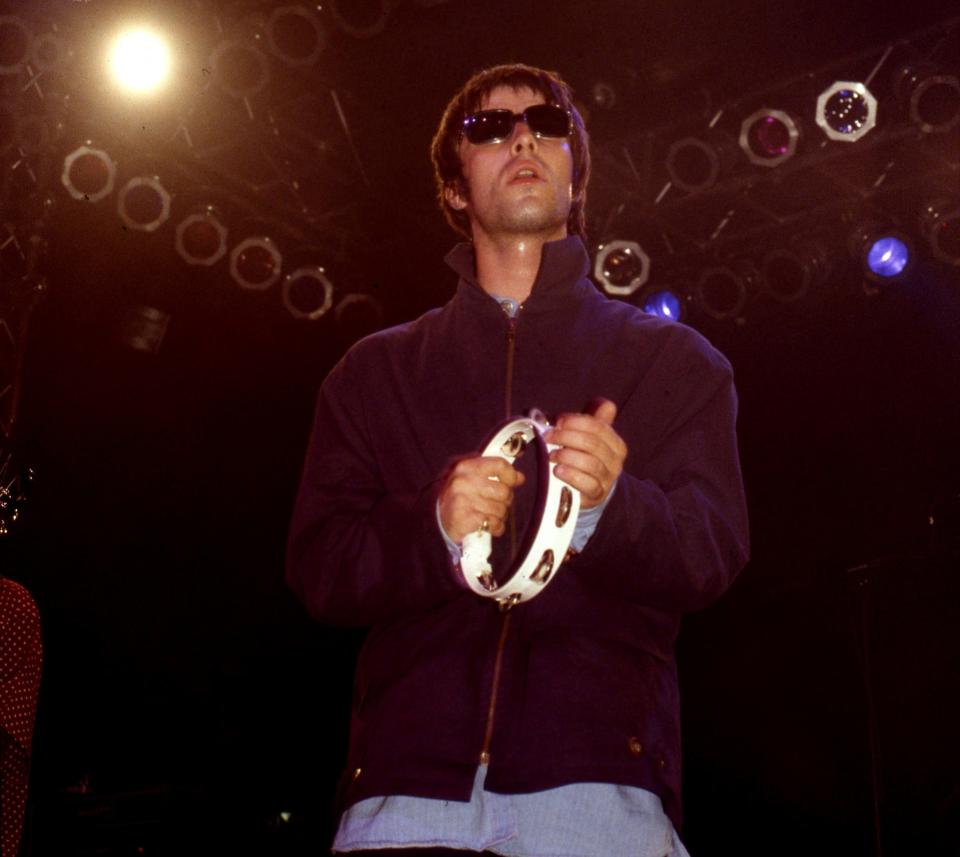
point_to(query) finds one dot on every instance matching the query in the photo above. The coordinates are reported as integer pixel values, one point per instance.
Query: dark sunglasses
(493, 126)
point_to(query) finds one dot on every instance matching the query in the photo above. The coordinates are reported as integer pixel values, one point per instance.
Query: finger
(607, 447)
(470, 520)
(592, 489)
(585, 441)
(493, 490)
(590, 426)
(582, 461)
(491, 467)
(604, 410)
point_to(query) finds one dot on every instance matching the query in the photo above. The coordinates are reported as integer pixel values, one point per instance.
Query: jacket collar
(562, 275)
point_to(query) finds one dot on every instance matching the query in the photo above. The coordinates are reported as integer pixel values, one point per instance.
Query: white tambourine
(558, 505)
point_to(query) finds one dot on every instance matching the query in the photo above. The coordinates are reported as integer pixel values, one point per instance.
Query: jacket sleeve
(675, 532)
(358, 554)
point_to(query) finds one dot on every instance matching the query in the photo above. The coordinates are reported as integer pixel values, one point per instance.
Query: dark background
(187, 701)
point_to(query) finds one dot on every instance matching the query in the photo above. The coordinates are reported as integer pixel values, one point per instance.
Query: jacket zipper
(505, 619)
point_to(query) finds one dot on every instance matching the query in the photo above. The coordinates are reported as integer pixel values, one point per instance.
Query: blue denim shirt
(579, 820)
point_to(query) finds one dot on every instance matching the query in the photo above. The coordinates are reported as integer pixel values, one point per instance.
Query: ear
(453, 195)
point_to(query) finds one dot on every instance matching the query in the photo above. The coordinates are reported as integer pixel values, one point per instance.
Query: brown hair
(445, 148)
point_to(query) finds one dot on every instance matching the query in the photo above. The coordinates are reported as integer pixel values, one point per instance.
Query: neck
(508, 266)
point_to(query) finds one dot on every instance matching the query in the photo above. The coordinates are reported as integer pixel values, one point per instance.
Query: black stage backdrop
(189, 706)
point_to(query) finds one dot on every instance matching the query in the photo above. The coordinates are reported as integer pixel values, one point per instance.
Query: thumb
(605, 411)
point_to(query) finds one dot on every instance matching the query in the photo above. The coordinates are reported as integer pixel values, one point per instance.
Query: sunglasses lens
(548, 120)
(545, 120)
(488, 125)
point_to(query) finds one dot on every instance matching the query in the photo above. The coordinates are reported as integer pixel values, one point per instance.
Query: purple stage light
(769, 137)
(888, 256)
(664, 304)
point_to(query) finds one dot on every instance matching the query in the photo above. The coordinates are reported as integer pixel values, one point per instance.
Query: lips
(524, 171)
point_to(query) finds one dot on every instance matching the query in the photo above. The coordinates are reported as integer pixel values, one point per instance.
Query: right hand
(475, 490)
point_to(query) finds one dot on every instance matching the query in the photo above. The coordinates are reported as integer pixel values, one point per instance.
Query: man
(551, 728)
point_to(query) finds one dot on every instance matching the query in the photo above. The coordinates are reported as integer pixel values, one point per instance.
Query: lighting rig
(856, 163)
(130, 120)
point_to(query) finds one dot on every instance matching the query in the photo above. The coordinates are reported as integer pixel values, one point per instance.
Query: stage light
(722, 291)
(886, 255)
(357, 315)
(144, 204)
(663, 303)
(621, 267)
(16, 41)
(88, 173)
(295, 35)
(603, 96)
(361, 19)
(932, 99)
(846, 110)
(787, 273)
(49, 52)
(239, 68)
(769, 137)
(307, 293)
(255, 263)
(140, 61)
(695, 164)
(940, 225)
(201, 238)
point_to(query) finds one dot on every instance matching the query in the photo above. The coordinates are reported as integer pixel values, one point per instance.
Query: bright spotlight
(769, 137)
(886, 255)
(940, 225)
(621, 267)
(307, 293)
(663, 303)
(846, 110)
(255, 263)
(140, 61)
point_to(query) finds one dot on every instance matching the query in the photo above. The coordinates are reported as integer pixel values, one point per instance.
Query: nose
(523, 138)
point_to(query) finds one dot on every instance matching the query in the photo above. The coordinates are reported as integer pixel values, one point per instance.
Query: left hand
(592, 453)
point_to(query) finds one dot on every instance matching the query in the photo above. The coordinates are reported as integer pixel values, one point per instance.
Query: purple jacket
(578, 685)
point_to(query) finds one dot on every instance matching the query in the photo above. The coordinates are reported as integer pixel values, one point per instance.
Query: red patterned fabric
(21, 654)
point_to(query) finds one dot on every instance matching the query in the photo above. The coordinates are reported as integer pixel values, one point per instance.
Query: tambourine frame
(558, 505)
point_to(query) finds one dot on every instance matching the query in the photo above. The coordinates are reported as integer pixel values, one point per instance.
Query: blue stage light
(888, 256)
(663, 304)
